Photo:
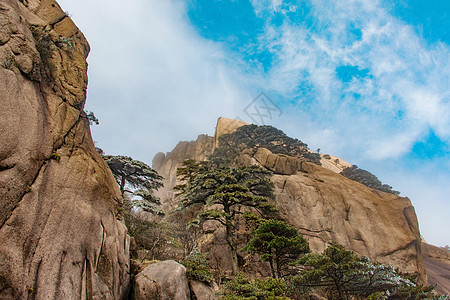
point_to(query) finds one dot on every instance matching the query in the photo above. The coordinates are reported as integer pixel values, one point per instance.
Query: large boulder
(327, 207)
(201, 291)
(165, 280)
(59, 231)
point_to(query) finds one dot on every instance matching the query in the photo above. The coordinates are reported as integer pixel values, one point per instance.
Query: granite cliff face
(437, 263)
(166, 165)
(327, 207)
(324, 206)
(60, 238)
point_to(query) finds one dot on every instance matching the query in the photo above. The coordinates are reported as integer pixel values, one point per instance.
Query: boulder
(164, 280)
(59, 229)
(327, 207)
(201, 291)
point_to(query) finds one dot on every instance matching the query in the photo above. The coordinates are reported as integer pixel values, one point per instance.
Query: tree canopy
(279, 243)
(341, 273)
(224, 192)
(140, 177)
(368, 179)
(254, 136)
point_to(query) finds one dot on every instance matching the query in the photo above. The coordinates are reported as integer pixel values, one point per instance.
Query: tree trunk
(277, 264)
(272, 269)
(230, 241)
(122, 185)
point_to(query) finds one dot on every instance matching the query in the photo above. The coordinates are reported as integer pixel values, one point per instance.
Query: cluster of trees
(235, 195)
(228, 195)
(335, 274)
(368, 179)
(254, 136)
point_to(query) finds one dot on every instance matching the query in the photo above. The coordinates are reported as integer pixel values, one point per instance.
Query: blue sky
(365, 80)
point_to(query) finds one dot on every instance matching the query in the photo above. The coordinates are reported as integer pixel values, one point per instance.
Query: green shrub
(9, 62)
(241, 287)
(197, 267)
(55, 156)
(368, 179)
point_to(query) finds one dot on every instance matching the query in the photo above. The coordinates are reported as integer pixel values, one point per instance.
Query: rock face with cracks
(167, 164)
(60, 238)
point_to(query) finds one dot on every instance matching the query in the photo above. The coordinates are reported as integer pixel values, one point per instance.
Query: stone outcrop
(328, 207)
(167, 164)
(59, 232)
(437, 263)
(226, 126)
(165, 280)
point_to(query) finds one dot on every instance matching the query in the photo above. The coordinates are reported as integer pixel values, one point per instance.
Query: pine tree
(279, 243)
(228, 190)
(140, 177)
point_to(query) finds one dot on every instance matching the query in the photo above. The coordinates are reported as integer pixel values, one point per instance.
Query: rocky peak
(226, 126)
(60, 236)
(167, 164)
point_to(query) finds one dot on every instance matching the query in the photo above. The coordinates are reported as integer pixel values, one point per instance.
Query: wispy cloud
(404, 95)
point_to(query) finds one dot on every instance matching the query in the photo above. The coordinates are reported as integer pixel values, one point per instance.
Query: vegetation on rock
(242, 287)
(197, 267)
(368, 179)
(253, 137)
(225, 192)
(338, 273)
(139, 176)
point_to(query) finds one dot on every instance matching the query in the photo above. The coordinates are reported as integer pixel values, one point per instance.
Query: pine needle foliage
(253, 137)
(278, 243)
(140, 177)
(225, 193)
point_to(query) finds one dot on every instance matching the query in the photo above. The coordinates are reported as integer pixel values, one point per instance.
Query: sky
(365, 80)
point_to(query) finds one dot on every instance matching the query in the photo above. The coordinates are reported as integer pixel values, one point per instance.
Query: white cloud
(152, 79)
(405, 74)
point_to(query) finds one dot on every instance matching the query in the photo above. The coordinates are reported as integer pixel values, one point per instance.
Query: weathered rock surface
(327, 207)
(437, 263)
(226, 126)
(201, 291)
(167, 164)
(60, 238)
(165, 280)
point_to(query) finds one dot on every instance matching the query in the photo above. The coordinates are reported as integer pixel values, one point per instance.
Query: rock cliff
(325, 207)
(166, 165)
(60, 238)
(437, 263)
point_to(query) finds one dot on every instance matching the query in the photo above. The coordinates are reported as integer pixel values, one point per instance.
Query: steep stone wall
(437, 263)
(60, 238)
(167, 164)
